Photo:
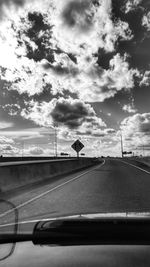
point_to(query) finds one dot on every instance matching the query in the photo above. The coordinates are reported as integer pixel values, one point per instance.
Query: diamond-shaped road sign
(77, 146)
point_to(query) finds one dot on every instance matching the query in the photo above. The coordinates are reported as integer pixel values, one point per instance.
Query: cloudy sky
(80, 66)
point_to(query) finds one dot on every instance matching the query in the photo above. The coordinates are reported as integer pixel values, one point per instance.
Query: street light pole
(121, 144)
(55, 143)
(143, 151)
(22, 149)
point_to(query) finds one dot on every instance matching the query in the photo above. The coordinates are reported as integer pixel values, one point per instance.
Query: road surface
(113, 186)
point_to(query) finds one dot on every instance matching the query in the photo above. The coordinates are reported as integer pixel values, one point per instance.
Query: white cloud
(6, 140)
(92, 83)
(12, 109)
(98, 85)
(131, 5)
(64, 134)
(136, 131)
(36, 151)
(146, 21)
(86, 133)
(8, 150)
(138, 123)
(4, 124)
(103, 32)
(90, 22)
(69, 113)
(23, 134)
(107, 148)
(129, 108)
(145, 79)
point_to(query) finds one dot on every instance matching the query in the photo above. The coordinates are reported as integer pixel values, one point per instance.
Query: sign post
(77, 146)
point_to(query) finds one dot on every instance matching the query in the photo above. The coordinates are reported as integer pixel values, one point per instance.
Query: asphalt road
(113, 186)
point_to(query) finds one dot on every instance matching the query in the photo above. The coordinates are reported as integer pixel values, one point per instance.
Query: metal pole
(121, 144)
(55, 142)
(22, 149)
(143, 151)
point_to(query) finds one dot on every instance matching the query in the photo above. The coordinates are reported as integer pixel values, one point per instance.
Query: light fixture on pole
(55, 140)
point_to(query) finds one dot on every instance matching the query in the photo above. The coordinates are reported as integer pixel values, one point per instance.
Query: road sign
(77, 146)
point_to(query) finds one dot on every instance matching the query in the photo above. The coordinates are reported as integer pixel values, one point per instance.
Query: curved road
(113, 186)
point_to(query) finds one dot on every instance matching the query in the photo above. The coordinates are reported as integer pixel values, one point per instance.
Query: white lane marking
(134, 166)
(48, 191)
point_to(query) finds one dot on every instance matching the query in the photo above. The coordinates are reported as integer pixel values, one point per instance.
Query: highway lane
(114, 186)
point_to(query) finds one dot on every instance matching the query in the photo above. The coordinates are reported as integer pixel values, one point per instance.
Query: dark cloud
(11, 104)
(59, 69)
(72, 114)
(138, 46)
(76, 14)
(39, 32)
(104, 58)
(90, 133)
(46, 94)
(72, 57)
(110, 131)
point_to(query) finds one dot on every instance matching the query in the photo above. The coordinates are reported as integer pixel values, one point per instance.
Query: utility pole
(143, 151)
(55, 142)
(121, 144)
(22, 149)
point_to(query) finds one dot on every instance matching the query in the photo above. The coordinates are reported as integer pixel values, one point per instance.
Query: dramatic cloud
(107, 83)
(89, 81)
(136, 131)
(146, 21)
(71, 113)
(137, 123)
(77, 15)
(89, 20)
(145, 79)
(52, 45)
(131, 5)
(61, 62)
(35, 36)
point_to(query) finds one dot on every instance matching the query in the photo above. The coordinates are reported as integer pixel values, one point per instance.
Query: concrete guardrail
(15, 175)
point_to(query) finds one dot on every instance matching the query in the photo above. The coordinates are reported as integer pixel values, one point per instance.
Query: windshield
(74, 108)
